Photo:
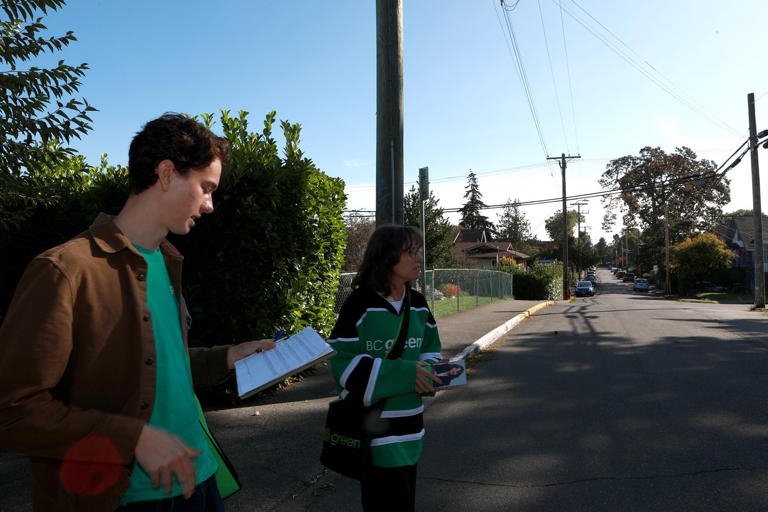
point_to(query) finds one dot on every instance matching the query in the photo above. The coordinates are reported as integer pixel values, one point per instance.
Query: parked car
(641, 285)
(592, 279)
(585, 288)
(708, 286)
(628, 277)
(620, 274)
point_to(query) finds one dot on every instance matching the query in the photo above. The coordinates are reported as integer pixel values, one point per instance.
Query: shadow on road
(595, 421)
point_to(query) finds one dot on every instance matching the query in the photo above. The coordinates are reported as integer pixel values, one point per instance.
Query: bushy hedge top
(537, 282)
(270, 254)
(267, 258)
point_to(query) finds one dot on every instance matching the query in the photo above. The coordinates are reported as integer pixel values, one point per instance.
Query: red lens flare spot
(91, 466)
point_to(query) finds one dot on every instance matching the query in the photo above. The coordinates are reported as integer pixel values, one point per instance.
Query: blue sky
(314, 62)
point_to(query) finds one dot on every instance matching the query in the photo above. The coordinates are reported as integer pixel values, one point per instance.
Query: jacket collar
(110, 239)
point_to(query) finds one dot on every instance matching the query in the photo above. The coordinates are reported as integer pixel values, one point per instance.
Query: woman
(448, 372)
(363, 335)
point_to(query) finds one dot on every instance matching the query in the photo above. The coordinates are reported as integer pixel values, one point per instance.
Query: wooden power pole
(389, 112)
(756, 210)
(563, 162)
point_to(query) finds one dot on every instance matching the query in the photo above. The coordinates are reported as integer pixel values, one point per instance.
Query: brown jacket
(77, 372)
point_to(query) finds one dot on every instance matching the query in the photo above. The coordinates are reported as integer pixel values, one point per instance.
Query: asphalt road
(618, 402)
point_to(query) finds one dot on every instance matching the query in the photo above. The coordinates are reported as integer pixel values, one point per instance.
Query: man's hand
(423, 378)
(237, 352)
(164, 456)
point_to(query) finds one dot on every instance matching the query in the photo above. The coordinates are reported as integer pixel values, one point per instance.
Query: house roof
(741, 229)
(490, 250)
(470, 235)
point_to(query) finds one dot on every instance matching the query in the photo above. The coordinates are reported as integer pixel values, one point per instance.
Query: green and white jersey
(362, 337)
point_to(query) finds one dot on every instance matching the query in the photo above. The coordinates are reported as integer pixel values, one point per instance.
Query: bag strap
(405, 315)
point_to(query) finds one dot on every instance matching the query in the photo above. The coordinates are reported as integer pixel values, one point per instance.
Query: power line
(717, 173)
(654, 75)
(570, 85)
(520, 67)
(462, 177)
(552, 73)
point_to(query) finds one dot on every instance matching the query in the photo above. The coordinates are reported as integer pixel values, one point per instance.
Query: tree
(741, 213)
(554, 225)
(513, 226)
(471, 218)
(695, 258)
(437, 244)
(601, 250)
(359, 231)
(36, 103)
(654, 182)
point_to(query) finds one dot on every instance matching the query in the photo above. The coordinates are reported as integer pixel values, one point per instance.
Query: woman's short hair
(383, 252)
(175, 137)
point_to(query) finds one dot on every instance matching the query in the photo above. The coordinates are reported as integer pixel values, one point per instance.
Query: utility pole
(578, 205)
(423, 196)
(668, 287)
(563, 163)
(756, 210)
(389, 112)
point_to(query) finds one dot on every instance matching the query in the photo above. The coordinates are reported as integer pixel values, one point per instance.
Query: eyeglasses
(413, 252)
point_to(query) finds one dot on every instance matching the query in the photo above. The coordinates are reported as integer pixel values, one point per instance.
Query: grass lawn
(726, 297)
(447, 306)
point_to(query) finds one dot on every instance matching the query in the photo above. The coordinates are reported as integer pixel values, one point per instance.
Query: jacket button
(144, 405)
(140, 277)
(146, 318)
(149, 361)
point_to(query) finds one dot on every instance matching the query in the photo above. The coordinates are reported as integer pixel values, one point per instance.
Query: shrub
(451, 290)
(538, 282)
(68, 195)
(270, 256)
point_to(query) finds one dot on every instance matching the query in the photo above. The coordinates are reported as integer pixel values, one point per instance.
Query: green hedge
(269, 256)
(56, 203)
(537, 282)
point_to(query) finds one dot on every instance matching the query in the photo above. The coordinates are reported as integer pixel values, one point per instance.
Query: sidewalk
(275, 443)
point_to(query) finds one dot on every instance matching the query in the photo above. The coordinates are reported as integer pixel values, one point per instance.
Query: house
(472, 249)
(738, 235)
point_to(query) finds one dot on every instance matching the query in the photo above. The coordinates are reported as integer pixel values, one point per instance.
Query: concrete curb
(491, 337)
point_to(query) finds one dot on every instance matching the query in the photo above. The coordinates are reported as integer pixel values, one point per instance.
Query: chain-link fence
(450, 290)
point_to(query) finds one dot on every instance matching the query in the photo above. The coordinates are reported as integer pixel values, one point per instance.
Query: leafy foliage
(554, 225)
(654, 180)
(540, 281)
(602, 252)
(696, 258)
(359, 231)
(57, 202)
(471, 218)
(36, 103)
(438, 230)
(268, 258)
(513, 226)
(270, 255)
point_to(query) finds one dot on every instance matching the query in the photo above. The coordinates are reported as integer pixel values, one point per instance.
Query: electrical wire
(653, 75)
(718, 173)
(570, 84)
(520, 67)
(552, 73)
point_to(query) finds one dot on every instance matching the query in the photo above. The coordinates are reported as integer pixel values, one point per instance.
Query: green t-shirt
(174, 410)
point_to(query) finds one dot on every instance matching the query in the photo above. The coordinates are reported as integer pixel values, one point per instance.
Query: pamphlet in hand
(291, 355)
(451, 374)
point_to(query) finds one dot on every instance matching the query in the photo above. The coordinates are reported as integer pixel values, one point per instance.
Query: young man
(95, 372)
